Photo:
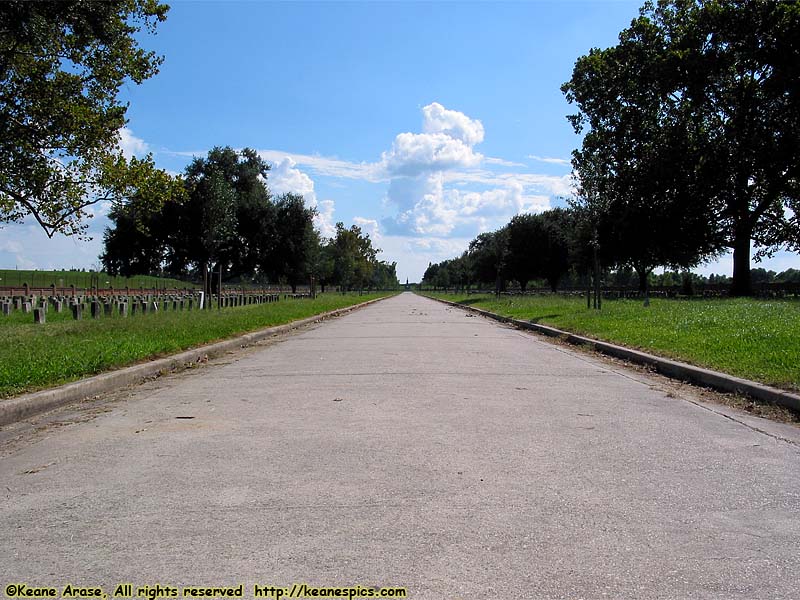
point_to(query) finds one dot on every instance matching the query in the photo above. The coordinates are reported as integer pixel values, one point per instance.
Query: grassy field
(38, 356)
(754, 339)
(42, 279)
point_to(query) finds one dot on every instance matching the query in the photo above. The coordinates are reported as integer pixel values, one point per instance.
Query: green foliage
(62, 64)
(539, 246)
(226, 217)
(354, 258)
(755, 339)
(36, 356)
(692, 134)
(488, 253)
(636, 167)
(296, 241)
(220, 214)
(530, 247)
(384, 276)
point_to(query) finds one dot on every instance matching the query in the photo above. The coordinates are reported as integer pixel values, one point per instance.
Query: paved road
(408, 444)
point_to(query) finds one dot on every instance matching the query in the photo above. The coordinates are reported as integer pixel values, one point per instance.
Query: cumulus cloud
(131, 145)
(555, 185)
(416, 153)
(454, 124)
(414, 253)
(369, 226)
(446, 142)
(284, 177)
(438, 190)
(427, 207)
(324, 219)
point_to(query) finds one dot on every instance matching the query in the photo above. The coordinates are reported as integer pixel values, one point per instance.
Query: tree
(137, 243)
(539, 246)
(556, 254)
(62, 64)
(324, 264)
(636, 167)
(353, 257)
(295, 239)
(524, 232)
(742, 87)
(429, 277)
(713, 84)
(488, 253)
(461, 270)
(384, 276)
(227, 218)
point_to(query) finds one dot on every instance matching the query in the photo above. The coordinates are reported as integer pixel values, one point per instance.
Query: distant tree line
(552, 250)
(223, 217)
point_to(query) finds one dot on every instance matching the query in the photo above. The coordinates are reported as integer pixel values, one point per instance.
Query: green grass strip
(33, 356)
(82, 279)
(749, 338)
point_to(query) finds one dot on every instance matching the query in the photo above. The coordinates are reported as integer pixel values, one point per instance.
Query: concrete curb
(670, 368)
(27, 405)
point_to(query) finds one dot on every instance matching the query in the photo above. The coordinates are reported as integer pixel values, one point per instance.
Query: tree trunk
(598, 303)
(642, 273)
(294, 287)
(741, 285)
(644, 283)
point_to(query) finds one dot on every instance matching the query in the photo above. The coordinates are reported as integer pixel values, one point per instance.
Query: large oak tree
(62, 64)
(693, 120)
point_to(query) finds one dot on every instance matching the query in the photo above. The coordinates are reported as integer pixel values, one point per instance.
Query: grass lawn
(38, 356)
(82, 279)
(753, 339)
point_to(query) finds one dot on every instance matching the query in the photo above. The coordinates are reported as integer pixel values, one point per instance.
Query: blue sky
(423, 123)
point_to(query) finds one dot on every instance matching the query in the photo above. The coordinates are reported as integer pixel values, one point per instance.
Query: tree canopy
(221, 216)
(62, 64)
(692, 134)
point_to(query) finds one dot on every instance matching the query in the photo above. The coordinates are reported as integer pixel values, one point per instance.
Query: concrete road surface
(410, 445)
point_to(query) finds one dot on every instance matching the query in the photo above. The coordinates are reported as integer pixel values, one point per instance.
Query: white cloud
(415, 153)
(369, 226)
(284, 177)
(433, 181)
(501, 162)
(437, 119)
(549, 160)
(26, 246)
(322, 165)
(131, 145)
(427, 207)
(439, 186)
(413, 254)
(324, 219)
(447, 143)
(544, 184)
